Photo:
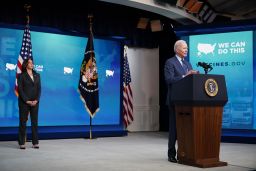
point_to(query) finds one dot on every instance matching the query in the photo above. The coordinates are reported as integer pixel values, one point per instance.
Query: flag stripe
(25, 53)
(127, 94)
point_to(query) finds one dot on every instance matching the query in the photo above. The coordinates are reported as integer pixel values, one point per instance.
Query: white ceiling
(235, 9)
(229, 9)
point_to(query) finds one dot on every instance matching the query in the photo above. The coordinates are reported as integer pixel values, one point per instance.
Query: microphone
(207, 67)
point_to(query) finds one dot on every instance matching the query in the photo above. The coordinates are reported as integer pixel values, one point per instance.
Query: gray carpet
(144, 151)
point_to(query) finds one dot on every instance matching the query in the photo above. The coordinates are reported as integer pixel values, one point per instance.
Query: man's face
(182, 50)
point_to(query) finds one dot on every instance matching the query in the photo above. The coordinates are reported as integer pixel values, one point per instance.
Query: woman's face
(30, 64)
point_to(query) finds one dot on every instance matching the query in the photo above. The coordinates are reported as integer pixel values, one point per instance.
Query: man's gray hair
(178, 43)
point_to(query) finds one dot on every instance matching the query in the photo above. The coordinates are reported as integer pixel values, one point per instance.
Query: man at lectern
(175, 69)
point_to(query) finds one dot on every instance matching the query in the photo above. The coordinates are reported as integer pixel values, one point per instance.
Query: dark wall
(166, 51)
(109, 19)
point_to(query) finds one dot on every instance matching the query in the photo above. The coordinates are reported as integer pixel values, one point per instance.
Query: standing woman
(29, 88)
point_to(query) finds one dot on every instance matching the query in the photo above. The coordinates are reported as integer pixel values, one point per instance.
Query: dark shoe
(23, 147)
(172, 159)
(36, 146)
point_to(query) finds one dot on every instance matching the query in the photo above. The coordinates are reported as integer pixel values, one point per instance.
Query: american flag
(25, 53)
(127, 92)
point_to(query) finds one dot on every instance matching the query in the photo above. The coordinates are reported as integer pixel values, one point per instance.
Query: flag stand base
(91, 137)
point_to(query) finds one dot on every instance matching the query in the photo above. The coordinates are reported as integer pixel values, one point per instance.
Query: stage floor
(142, 151)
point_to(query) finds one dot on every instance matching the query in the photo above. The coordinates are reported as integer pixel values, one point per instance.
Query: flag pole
(90, 127)
(27, 8)
(90, 16)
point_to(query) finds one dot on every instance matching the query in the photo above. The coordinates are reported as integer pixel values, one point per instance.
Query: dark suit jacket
(29, 89)
(173, 72)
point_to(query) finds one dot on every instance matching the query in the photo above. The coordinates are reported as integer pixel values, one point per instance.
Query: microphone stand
(205, 70)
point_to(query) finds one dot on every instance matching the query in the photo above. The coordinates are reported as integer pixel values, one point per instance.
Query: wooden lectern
(199, 101)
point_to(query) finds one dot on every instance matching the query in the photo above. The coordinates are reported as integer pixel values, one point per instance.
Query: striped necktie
(184, 66)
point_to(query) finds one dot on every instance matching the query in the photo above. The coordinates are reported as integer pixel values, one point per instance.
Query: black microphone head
(202, 64)
(210, 66)
(207, 67)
